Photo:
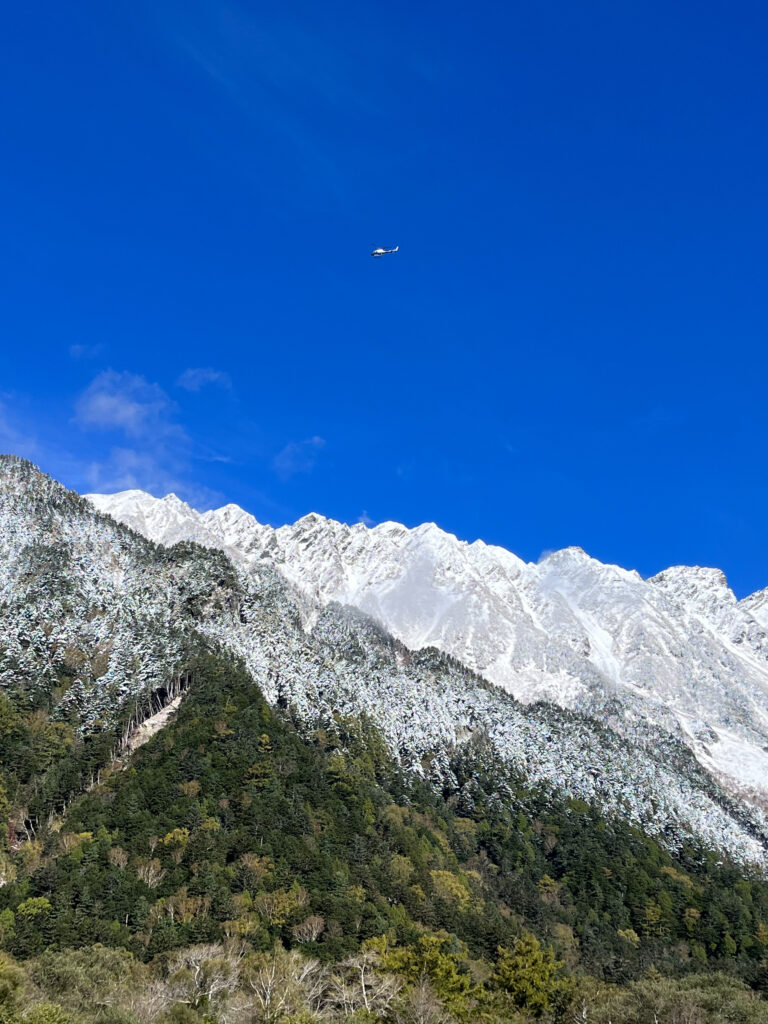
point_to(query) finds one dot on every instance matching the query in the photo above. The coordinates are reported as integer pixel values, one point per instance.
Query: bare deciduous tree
(360, 985)
(150, 872)
(117, 857)
(421, 1006)
(309, 930)
(201, 974)
(283, 984)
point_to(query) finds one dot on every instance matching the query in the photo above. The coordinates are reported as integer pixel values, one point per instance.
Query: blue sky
(569, 348)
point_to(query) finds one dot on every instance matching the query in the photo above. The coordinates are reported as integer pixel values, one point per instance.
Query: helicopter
(383, 252)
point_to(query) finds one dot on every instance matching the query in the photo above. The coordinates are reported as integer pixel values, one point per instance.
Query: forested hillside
(98, 626)
(236, 868)
(330, 827)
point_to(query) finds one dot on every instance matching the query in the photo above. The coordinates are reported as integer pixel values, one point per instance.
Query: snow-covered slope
(757, 606)
(99, 625)
(677, 651)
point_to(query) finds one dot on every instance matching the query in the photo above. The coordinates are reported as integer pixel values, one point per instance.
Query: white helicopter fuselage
(383, 252)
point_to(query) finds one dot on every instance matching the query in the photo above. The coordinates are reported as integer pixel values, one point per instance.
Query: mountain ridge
(678, 650)
(97, 624)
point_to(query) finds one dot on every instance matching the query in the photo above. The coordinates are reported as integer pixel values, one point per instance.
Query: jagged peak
(433, 530)
(389, 526)
(313, 519)
(571, 554)
(231, 508)
(693, 578)
(575, 632)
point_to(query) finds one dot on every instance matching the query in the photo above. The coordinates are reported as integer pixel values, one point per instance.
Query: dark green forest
(236, 868)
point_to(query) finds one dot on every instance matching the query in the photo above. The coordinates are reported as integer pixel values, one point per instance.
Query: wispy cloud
(159, 454)
(298, 457)
(85, 351)
(286, 78)
(125, 433)
(13, 439)
(196, 378)
(127, 403)
(127, 469)
(254, 57)
(365, 519)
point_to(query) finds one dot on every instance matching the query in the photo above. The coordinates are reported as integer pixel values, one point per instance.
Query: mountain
(202, 763)
(98, 626)
(677, 653)
(235, 855)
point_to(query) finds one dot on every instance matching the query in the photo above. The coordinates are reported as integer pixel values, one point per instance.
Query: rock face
(676, 652)
(97, 621)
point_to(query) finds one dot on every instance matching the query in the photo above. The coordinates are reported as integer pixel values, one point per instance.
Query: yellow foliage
(677, 876)
(258, 866)
(629, 935)
(73, 840)
(465, 825)
(396, 815)
(450, 888)
(176, 837)
(401, 869)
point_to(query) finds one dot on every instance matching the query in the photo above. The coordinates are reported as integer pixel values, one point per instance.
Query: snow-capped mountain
(677, 652)
(100, 626)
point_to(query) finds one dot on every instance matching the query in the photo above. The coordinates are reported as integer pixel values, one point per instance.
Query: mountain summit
(100, 628)
(677, 653)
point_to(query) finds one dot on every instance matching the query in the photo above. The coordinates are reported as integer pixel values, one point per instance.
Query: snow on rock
(670, 650)
(100, 623)
(756, 605)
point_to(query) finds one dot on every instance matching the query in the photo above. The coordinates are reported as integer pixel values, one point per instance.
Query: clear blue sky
(569, 348)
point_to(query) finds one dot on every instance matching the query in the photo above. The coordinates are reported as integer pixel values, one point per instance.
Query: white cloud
(196, 378)
(128, 403)
(137, 441)
(159, 454)
(127, 469)
(365, 519)
(298, 457)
